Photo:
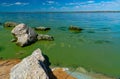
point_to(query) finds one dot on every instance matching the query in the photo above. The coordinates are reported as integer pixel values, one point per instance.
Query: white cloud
(90, 2)
(6, 4)
(72, 3)
(92, 5)
(80, 3)
(16, 3)
(50, 2)
(104, 5)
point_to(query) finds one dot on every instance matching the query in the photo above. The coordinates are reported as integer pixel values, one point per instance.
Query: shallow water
(96, 47)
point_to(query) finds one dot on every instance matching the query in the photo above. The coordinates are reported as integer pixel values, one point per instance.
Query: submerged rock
(32, 67)
(75, 28)
(42, 28)
(0, 23)
(45, 37)
(24, 35)
(9, 24)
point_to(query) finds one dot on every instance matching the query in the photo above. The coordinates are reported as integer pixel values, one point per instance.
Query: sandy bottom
(5, 66)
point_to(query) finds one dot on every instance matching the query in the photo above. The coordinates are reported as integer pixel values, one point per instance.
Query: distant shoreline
(66, 12)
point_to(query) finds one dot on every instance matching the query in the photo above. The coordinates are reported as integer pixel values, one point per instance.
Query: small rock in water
(75, 28)
(45, 37)
(42, 28)
(9, 24)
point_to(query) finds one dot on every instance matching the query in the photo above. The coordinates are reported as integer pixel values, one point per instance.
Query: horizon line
(109, 11)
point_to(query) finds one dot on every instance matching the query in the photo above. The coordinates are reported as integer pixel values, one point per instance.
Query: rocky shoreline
(6, 65)
(36, 65)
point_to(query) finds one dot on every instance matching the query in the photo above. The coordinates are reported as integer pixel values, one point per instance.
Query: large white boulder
(31, 67)
(24, 35)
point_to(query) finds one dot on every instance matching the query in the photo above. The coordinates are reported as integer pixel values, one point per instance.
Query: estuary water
(96, 48)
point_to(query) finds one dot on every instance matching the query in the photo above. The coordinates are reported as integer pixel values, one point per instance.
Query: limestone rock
(42, 28)
(24, 34)
(10, 24)
(45, 37)
(31, 67)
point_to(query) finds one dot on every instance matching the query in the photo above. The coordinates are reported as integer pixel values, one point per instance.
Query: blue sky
(58, 5)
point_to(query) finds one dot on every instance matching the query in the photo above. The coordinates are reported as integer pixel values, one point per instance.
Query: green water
(73, 52)
(95, 49)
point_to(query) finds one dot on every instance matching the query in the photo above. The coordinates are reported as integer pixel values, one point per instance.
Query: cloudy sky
(58, 5)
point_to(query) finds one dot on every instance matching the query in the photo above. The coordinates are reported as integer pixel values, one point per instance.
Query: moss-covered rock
(75, 28)
(45, 37)
(42, 28)
(10, 24)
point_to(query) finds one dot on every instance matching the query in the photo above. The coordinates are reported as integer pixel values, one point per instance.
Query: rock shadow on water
(47, 62)
(47, 70)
